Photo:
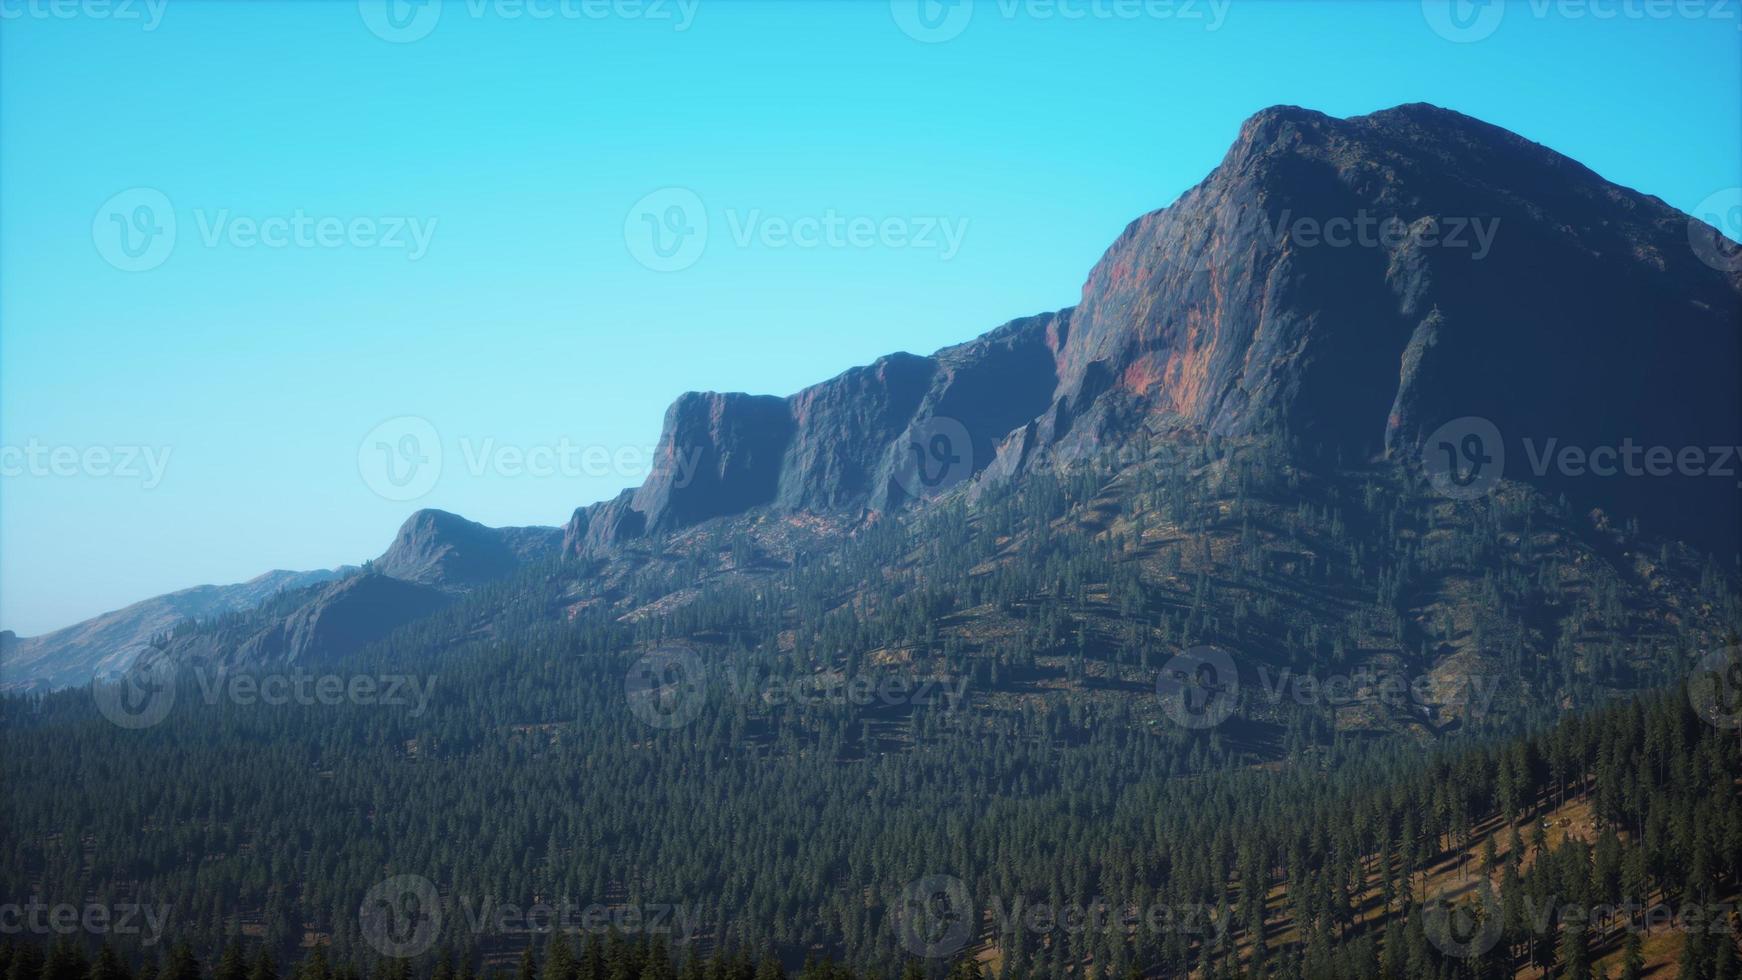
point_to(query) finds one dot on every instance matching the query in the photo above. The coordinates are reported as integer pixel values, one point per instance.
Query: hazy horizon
(515, 312)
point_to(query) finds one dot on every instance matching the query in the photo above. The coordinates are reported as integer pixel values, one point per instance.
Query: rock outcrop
(1350, 284)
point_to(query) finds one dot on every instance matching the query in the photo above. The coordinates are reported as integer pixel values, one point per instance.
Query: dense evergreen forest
(893, 743)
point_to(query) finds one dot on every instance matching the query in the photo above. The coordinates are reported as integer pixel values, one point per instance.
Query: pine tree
(109, 965)
(232, 965)
(181, 964)
(66, 961)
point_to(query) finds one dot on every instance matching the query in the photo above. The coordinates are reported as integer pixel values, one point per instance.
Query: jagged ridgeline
(788, 680)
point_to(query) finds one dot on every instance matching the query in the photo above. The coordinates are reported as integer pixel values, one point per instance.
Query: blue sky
(447, 233)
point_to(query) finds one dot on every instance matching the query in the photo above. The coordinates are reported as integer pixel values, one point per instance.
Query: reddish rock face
(1353, 283)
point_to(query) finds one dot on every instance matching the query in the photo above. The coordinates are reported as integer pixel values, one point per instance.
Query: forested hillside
(962, 701)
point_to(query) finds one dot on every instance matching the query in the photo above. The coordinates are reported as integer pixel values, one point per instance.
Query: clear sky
(464, 233)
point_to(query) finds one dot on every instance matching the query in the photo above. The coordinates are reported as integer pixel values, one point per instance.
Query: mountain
(433, 559)
(1495, 278)
(283, 617)
(434, 547)
(108, 643)
(1333, 293)
(1163, 577)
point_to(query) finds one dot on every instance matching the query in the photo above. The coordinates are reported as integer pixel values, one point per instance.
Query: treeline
(796, 826)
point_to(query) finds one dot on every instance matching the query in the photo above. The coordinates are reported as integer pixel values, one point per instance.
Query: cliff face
(1351, 283)
(1526, 288)
(843, 445)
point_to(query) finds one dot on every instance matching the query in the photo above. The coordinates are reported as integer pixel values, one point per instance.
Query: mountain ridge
(1232, 312)
(1220, 312)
